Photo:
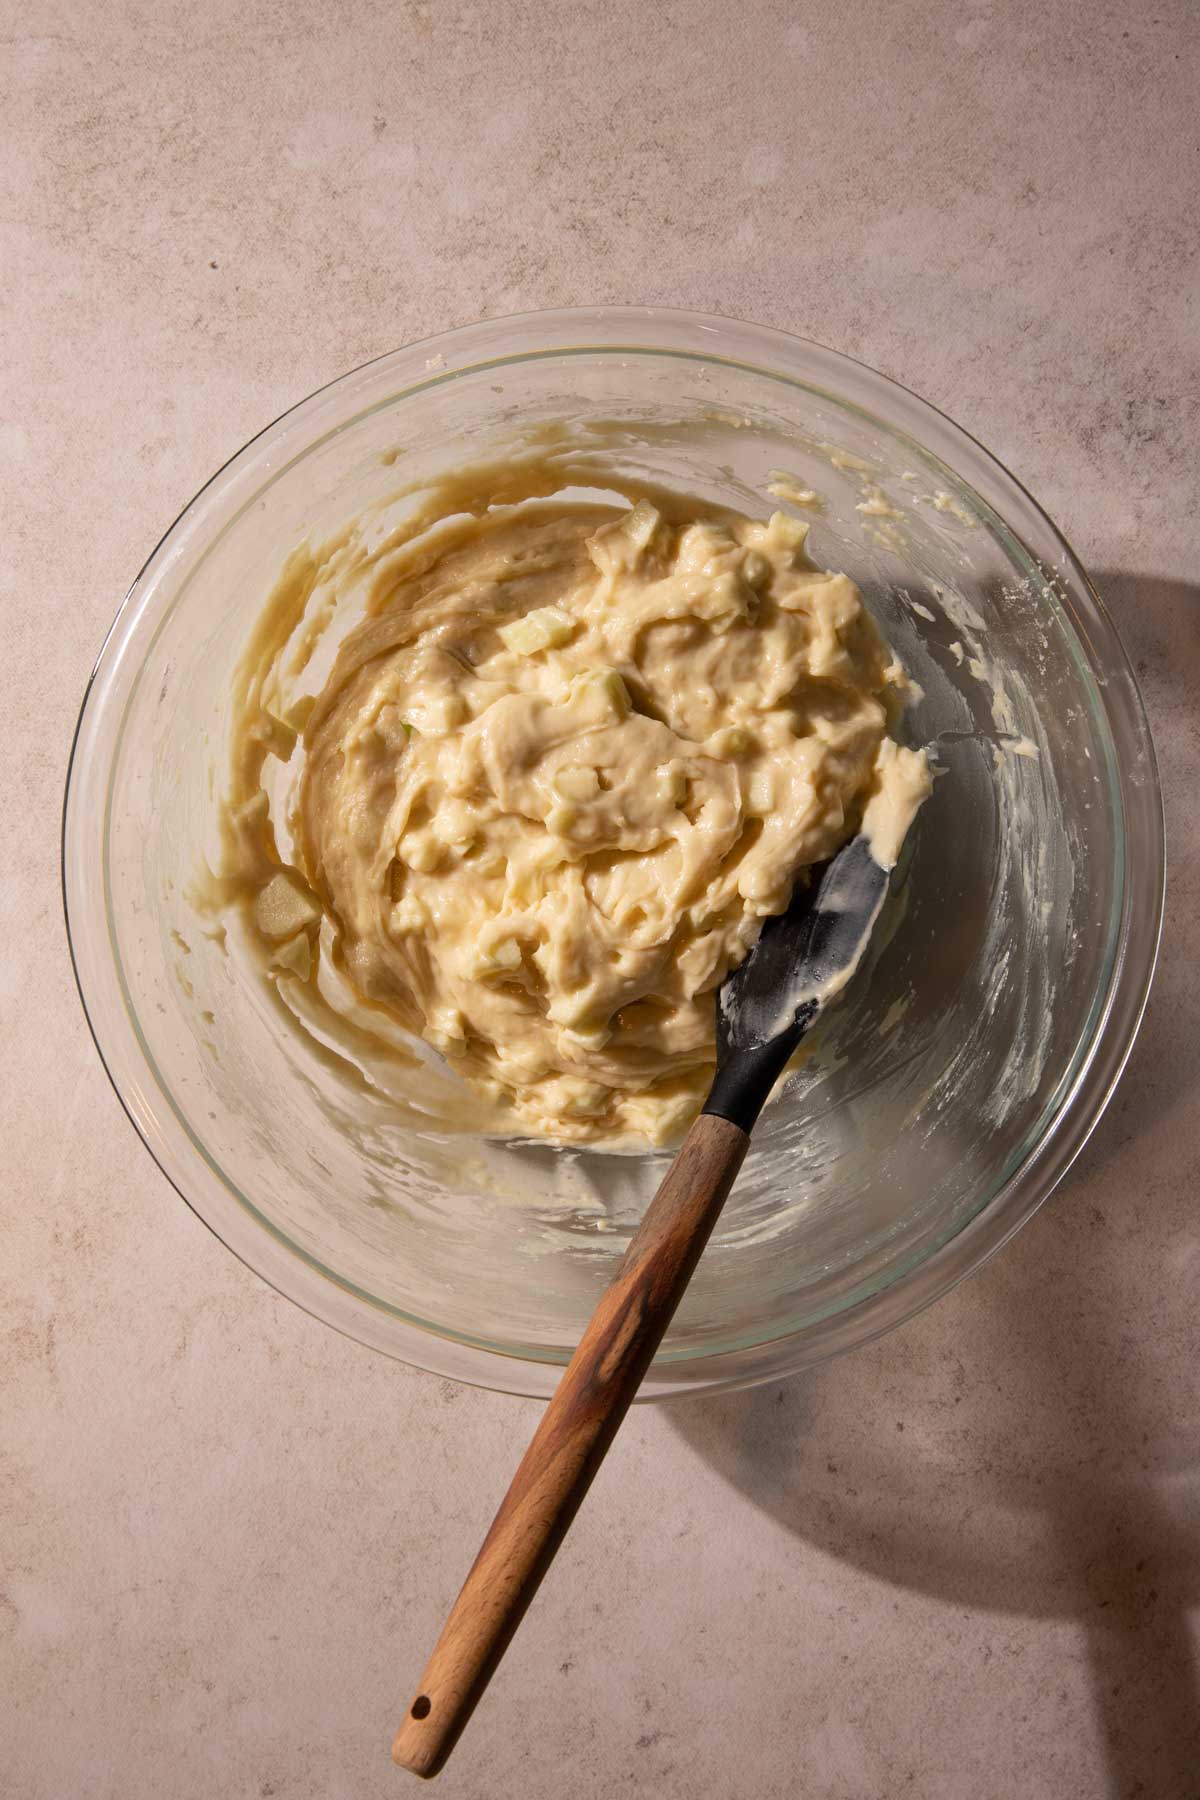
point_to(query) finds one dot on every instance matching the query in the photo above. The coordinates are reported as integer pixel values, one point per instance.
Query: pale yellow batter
(565, 764)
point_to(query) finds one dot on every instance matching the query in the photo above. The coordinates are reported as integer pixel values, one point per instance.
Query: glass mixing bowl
(945, 1095)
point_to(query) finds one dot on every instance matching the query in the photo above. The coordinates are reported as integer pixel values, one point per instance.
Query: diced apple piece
(543, 629)
(640, 525)
(294, 957)
(504, 954)
(284, 907)
(606, 686)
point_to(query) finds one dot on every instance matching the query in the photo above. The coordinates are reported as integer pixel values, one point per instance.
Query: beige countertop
(964, 1562)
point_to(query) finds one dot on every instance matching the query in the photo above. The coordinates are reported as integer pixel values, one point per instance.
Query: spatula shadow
(1061, 1477)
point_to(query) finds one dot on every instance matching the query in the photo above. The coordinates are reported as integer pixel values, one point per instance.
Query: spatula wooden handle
(570, 1443)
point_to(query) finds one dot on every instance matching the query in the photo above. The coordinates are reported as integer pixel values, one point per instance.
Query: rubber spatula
(801, 960)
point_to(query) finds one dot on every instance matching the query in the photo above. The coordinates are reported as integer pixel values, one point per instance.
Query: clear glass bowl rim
(513, 339)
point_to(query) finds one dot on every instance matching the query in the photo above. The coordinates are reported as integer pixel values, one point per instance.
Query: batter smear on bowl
(566, 759)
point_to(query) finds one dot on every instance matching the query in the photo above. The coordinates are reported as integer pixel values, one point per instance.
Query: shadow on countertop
(1061, 1477)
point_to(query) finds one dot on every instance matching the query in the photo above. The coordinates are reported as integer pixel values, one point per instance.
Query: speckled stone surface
(963, 1562)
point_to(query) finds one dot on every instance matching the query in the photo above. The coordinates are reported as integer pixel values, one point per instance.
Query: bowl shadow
(1061, 1478)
